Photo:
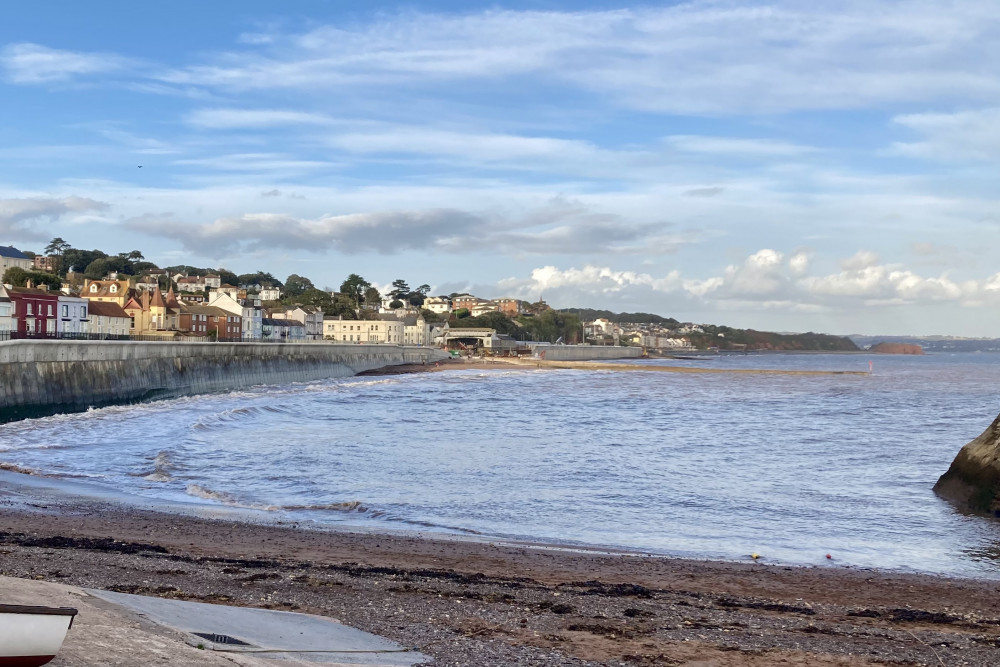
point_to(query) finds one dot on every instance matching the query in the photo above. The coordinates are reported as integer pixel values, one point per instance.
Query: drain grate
(221, 639)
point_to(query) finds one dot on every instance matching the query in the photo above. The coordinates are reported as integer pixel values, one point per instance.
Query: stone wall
(40, 377)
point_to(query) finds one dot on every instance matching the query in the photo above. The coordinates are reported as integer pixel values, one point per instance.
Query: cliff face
(973, 480)
(896, 348)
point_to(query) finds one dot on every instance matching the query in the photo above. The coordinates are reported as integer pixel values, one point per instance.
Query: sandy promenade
(485, 603)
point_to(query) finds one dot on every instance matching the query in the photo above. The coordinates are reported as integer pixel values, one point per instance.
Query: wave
(163, 463)
(349, 506)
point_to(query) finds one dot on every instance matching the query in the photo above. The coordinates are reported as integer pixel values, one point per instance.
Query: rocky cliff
(973, 480)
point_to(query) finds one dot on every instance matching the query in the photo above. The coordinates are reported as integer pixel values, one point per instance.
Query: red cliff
(897, 348)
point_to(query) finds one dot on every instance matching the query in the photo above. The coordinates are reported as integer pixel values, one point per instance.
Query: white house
(248, 309)
(270, 293)
(12, 257)
(418, 333)
(72, 317)
(212, 280)
(6, 311)
(437, 304)
(363, 331)
(108, 319)
(311, 319)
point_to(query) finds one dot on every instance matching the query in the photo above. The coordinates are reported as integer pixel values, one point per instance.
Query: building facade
(6, 312)
(363, 331)
(34, 311)
(108, 319)
(108, 291)
(73, 319)
(209, 321)
(11, 257)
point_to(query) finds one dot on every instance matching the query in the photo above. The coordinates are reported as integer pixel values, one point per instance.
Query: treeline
(548, 325)
(590, 314)
(750, 339)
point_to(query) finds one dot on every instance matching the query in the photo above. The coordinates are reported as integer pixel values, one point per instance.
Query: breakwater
(584, 352)
(39, 377)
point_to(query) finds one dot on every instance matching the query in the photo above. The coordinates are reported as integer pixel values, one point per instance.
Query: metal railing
(64, 335)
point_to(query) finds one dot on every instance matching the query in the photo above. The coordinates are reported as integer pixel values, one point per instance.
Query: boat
(31, 636)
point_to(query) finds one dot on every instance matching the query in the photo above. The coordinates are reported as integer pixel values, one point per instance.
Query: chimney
(44, 287)
(30, 284)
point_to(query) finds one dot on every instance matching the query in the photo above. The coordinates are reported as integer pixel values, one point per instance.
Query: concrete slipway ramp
(116, 629)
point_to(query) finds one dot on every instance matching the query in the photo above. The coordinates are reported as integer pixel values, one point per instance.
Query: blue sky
(784, 166)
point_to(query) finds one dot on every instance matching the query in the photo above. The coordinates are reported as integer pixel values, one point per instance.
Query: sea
(707, 466)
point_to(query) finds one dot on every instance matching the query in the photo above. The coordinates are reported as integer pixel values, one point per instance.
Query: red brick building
(35, 310)
(203, 320)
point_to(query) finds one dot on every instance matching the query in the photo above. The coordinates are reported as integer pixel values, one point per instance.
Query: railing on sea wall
(63, 335)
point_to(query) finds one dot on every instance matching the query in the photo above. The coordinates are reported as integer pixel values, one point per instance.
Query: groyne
(550, 352)
(39, 377)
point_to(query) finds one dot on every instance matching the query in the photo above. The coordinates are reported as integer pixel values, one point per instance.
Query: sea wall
(45, 377)
(973, 480)
(585, 352)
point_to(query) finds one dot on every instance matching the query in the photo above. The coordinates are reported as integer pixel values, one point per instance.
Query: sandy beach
(477, 602)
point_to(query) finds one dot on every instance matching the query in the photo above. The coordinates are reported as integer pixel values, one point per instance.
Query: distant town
(69, 293)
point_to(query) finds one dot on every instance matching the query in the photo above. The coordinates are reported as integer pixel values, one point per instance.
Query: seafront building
(6, 311)
(363, 331)
(73, 315)
(107, 319)
(11, 257)
(248, 309)
(283, 329)
(34, 310)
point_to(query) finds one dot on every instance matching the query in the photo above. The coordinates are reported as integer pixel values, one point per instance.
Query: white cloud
(736, 147)
(953, 136)
(16, 213)
(693, 58)
(227, 119)
(33, 63)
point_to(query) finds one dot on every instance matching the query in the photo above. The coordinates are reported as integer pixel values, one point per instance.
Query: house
(437, 304)
(213, 281)
(483, 308)
(192, 297)
(108, 320)
(274, 328)
(311, 318)
(11, 257)
(363, 331)
(212, 321)
(153, 314)
(34, 310)
(108, 291)
(417, 333)
(270, 293)
(147, 282)
(465, 301)
(248, 309)
(46, 264)
(190, 284)
(73, 316)
(235, 292)
(6, 312)
(511, 307)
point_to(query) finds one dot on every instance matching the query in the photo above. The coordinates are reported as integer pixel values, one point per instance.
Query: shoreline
(506, 603)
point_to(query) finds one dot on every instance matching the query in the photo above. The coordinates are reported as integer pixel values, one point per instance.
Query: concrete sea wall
(585, 352)
(40, 377)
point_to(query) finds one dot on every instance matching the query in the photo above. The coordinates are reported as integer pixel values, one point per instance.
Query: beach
(482, 602)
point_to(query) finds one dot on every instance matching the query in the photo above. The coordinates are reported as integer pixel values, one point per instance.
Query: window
(29, 308)
(93, 289)
(114, 289)
(50, 310)
(65, 310)
(83, 312)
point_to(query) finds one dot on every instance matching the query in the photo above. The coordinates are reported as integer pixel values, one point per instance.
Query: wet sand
(499, 603)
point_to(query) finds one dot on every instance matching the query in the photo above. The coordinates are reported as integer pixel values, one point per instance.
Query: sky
(785, 166)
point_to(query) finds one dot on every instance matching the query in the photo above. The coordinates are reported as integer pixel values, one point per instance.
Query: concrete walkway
(119, 630)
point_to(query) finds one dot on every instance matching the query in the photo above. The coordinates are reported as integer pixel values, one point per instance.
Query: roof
(107, 309)
(277, 322)
(33, 291)
(201, 309)
(12, 253)
(192, 280)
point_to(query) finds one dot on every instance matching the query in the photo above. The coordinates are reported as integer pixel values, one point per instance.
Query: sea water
(698, 465)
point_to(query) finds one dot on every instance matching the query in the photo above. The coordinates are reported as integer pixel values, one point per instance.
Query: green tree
(355, 287)
(260, 278)
(56, 246)
(79, 260)
(316, 298)
(18, 277)
(296, 285)
(462, 313)
(400, 290)
(372, 297)
(227, 277)
(396, 303)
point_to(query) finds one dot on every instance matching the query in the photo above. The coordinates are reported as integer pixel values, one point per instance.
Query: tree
(134, 256)
(18, 277)
(423, 290)
(259, 278)
(372, 297)
(355, 287)
(296, 285)
(56, 246)
(415, 299)
(98, 269)
(316, 298)
(396, 303)
(400, 290)
(227, 277)
(462, 313)
(79, 260)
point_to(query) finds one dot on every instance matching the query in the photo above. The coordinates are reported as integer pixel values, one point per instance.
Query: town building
(270, 293)
(511, 307)
(6, 312)
(73, 316)
(34, 310)
(248, 309)
(212, 321)
(190, 284)
(311, 318)
(419, 332)
(212, 281)
(153, 314)
(108, 291)
(11, 257)
(45, 263)
(231, 290)
(363, 331)
(274, 328)
(465, 301)
(437, 304)
(108, 320)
